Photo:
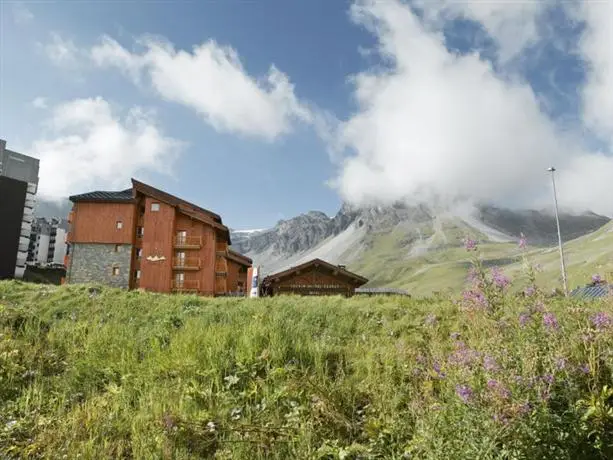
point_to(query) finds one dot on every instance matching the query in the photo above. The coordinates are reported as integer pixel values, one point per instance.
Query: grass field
(92, 372)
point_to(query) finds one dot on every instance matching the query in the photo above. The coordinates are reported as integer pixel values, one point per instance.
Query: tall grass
(93, 372)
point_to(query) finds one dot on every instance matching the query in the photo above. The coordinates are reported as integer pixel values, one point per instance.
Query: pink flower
(522, 242)
(470, 244)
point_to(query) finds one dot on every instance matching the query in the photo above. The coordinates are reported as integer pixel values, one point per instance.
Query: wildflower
(601, 320)
(596, 278)
(561, 363)
(548, 378)
(210, 427)
(437, 368)
(522, 241)
(464, 392)
(524, 408)
(455, 335)
(475, 298)
(529, 291)
(500, 279)
(489, 364)
(231, 380)
(470, 244)
(550, 321)
(585, 368)
(463, 356)
(539, 306)
(430, 320)
(524, 318)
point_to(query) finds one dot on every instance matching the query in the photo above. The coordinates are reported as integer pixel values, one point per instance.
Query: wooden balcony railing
(186, 286)
(186, 263)
(188, 242)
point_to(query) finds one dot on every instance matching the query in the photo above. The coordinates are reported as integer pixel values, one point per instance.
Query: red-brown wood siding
(206, 275)
(158, 239)
(97, 223)
(314, 279)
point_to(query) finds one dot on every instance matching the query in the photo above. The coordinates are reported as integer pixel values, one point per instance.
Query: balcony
(188, 242)
(186, 286)
(186, 263)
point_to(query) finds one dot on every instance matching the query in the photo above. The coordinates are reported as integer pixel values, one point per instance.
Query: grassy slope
(387, 262)
(103, 373)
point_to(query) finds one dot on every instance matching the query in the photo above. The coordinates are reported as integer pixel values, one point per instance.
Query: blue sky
(389, 145)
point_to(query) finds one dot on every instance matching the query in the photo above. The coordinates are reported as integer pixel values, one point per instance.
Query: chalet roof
(593, 291)
(381, 290)
(128, 196)
(148, 190)
(317, 262)
(239, 258)
(104, 196)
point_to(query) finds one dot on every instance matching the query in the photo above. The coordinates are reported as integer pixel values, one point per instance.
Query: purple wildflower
(501, 418)
(585, 368)
(463, 356)
(470, 244)
(489, 364)
(524, 408)
(522, 242)
(437, 368)
(475, 298)
(430, 320)
(499, 278)
(464, 392)
(548, 378)
(550, 321)
(529, 291)
(601, 320)
(524, 318)
(538, 306)
(501, 390)
(596, 278)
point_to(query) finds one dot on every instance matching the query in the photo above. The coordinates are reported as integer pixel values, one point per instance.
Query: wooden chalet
(316, 277)
(145, 238)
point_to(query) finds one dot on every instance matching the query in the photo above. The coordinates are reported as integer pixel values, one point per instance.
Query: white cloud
(62, 51)
(513, 24)
(212, 81)
(21, 15)
(437, 124)
(597, 49)
(39, 103)
(90, 146)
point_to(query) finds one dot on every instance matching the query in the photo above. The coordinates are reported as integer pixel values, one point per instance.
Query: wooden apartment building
(145, 238)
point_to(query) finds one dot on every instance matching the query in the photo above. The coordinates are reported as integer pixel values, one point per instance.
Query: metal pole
(555, 201)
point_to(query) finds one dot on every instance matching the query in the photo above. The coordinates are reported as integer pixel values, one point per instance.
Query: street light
(555, 201)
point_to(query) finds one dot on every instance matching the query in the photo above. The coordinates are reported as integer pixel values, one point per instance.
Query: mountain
(417, 247)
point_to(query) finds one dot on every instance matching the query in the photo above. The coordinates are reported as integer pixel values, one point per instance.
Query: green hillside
(389, 262)
(91, 372)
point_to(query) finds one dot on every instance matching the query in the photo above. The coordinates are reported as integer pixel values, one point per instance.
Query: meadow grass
(93, 372)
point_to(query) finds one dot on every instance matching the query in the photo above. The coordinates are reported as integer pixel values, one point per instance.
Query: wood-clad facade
(316, 277)
(146, 238)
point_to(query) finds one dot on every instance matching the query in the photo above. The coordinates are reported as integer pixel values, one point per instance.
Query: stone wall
(94, 263)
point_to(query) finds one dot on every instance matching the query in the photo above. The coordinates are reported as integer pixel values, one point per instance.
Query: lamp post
(555, 202)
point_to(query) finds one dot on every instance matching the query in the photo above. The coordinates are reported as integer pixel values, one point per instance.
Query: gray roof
(592, 292)
(123, 195)
(381, 290)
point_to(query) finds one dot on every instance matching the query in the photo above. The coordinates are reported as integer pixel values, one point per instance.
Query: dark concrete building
(18, 186)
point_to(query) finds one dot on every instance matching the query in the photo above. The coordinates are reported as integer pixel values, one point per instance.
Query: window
(139, 253)
(119, 225)
(155, 207)
(140, 231)
(137, 274)
(181, 237)
(179, 280)
(117, 247)
(115, 271)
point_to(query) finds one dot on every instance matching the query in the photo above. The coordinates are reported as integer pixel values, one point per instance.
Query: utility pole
(555, 202)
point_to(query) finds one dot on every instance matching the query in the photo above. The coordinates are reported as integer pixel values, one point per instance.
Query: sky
(262, 110)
